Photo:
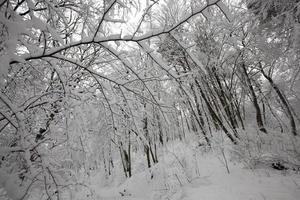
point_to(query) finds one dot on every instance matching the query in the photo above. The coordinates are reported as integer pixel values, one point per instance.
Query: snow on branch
(116, 37)
(188, 51)
(109, 7)
(225, 10)
(156, 59)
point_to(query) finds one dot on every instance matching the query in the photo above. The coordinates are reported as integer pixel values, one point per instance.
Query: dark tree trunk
(214, 115)
(259, 119)
(223, 99)
(199, 117)
(284, 102)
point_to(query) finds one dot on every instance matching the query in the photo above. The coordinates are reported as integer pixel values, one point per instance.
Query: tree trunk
(284, 102)
(199, 120)
(259, 119)
(214, 115)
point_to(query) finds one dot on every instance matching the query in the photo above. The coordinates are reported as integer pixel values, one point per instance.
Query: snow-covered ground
(241, 183)
(186, 173)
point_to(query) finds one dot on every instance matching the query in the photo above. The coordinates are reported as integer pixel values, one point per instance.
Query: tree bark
(283, 100)
(214, 115)
(259, 119)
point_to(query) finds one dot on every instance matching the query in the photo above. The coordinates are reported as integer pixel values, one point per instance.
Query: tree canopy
(85, 82)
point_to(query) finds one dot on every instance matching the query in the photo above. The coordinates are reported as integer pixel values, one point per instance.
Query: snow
(73, 162)
(110, 19)
(241, 184)
(225, 10)
(4, 65)
(189, 173)
(190, 53)
(156, 59)
(10, 182)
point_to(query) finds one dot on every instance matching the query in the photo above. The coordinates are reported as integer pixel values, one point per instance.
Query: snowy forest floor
(190, 172)
(259, 167)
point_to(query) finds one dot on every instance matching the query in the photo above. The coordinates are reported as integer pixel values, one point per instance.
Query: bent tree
(87, 83)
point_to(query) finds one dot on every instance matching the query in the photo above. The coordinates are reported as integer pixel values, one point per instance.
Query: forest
(149, 99)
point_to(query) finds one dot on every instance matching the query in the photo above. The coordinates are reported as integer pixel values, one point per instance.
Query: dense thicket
(86, 83)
